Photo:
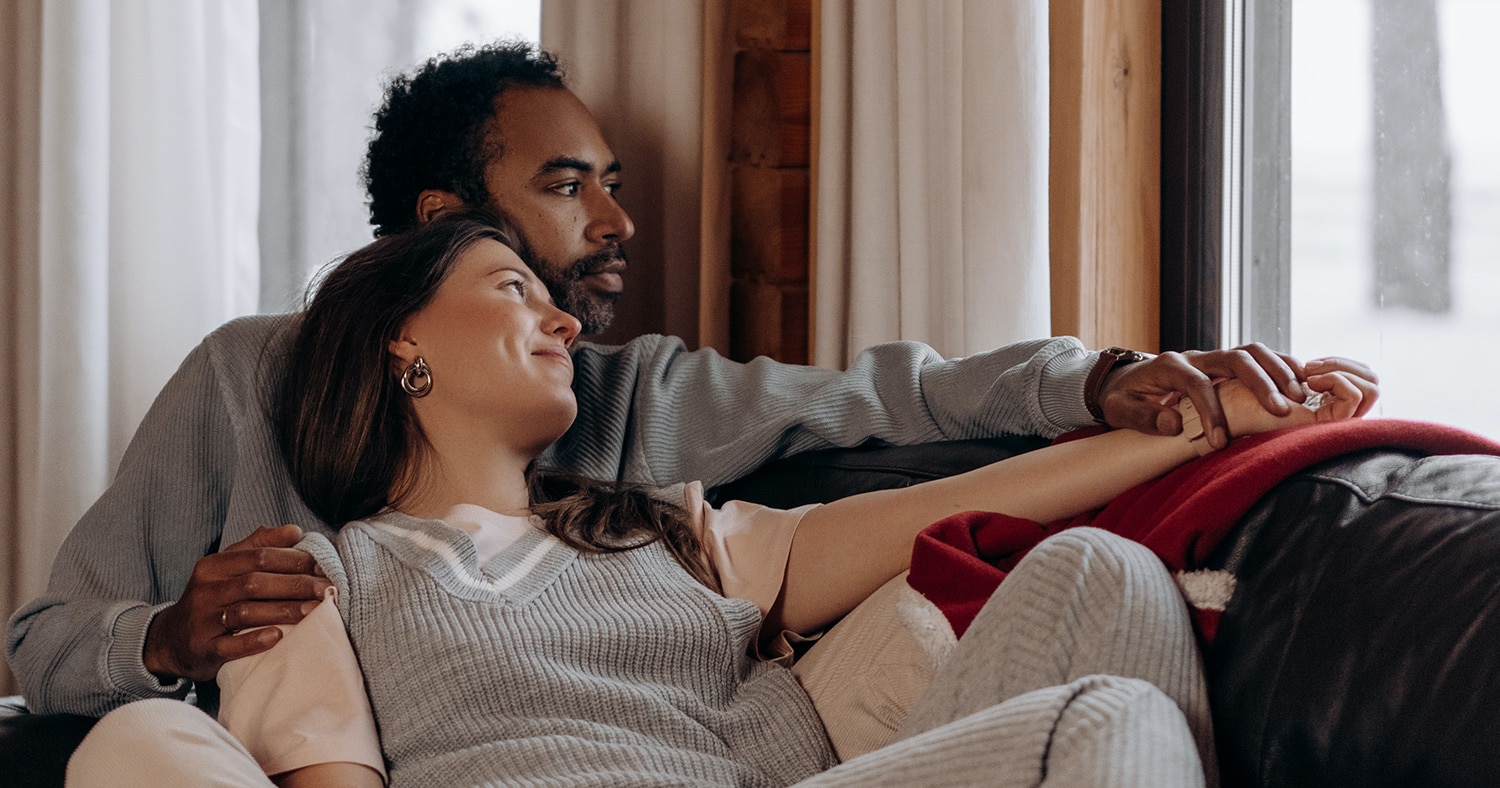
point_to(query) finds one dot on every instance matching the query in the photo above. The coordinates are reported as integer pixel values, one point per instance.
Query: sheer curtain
(322, 78)
(130, 160)
(657, 75)
(931, 196)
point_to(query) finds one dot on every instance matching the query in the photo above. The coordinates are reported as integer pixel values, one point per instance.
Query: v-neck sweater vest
(554, 667)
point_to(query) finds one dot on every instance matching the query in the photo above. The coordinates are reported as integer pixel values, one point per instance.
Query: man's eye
(567, 189)
(614, 187)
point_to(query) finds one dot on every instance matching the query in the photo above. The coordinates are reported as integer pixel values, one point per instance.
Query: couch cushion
(34, 748)
(868, 671)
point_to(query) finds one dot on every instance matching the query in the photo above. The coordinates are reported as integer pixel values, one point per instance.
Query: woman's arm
(844, 550)
(300, 709)
(330, 775)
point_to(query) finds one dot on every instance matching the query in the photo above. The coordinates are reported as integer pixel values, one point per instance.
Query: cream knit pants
(1082, 669)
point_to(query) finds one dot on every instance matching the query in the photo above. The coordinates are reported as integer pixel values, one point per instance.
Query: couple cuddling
(434, 396)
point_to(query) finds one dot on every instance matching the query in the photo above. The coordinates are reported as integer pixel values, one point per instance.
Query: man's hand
(1137, 395)
(259, 581)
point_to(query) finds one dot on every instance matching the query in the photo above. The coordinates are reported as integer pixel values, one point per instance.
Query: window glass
(1396, 199)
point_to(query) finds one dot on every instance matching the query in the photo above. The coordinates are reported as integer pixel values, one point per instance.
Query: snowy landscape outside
(1433, 366)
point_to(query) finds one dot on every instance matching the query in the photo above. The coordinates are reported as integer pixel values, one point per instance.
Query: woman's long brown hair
(347, 430)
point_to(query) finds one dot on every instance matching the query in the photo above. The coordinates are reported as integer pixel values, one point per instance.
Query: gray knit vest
(559, 668)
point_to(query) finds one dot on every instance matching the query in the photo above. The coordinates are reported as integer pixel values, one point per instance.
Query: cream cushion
(868, 671)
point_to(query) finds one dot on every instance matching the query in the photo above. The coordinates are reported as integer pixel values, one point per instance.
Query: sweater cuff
(1063, 380)
(124, 663)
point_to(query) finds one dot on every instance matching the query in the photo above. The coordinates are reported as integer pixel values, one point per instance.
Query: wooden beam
(1105, 170)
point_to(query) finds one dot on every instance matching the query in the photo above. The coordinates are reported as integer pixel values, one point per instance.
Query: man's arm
(81, 647)
(652, 412)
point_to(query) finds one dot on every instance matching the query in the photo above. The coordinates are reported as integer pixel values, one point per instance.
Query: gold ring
(224, 619)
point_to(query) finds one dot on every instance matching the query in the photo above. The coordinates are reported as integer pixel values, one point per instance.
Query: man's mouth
(608, 278)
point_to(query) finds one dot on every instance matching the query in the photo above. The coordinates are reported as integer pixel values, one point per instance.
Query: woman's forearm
(845, 550)
(329, 775)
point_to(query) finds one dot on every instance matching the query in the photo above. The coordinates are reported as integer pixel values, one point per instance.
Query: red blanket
(958, 562)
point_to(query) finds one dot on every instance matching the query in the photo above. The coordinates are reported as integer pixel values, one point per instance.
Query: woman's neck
(468, 470)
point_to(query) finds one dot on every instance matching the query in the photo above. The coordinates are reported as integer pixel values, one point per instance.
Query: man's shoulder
(249, 341)
(253, 329)
(641, 345)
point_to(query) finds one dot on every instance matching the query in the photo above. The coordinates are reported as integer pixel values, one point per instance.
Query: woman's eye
(517, 285)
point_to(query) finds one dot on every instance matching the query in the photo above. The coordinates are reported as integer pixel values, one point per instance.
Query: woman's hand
(1333, 395)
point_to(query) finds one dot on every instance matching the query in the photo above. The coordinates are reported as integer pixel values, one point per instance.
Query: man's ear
(432, 203)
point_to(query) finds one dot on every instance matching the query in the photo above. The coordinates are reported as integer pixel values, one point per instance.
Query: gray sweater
(570, 669)
(204, 470)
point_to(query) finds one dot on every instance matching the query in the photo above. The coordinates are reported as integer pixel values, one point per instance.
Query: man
(142, 601)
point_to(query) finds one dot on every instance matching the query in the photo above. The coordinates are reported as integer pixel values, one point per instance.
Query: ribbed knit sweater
(551, 667)
(204, 470)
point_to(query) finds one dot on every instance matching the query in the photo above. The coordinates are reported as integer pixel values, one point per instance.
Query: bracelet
(1093, 385)
(1192, 427)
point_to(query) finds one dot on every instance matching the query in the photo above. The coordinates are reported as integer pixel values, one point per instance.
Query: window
(1285, 222)
(1395, 187)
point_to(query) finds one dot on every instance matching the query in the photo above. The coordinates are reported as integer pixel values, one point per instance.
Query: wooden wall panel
(770, 152)
(1105, 170)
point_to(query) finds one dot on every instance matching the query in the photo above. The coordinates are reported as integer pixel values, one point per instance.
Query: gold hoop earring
(416, 380)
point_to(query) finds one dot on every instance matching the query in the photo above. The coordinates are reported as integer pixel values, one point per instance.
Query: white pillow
(868, 671)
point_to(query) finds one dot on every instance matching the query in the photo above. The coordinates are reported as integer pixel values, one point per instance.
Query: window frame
(1225, 174)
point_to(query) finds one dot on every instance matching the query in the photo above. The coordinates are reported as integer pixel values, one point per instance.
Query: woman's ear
(432, 203)
(404, 350)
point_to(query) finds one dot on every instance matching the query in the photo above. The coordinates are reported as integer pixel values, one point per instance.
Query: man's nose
(608, 222)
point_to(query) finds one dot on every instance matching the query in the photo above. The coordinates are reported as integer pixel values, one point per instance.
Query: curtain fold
(321, 80)
(931, 198)
(657, 79)
(130, 227)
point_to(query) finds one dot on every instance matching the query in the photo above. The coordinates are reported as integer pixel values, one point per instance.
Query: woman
(517, 629)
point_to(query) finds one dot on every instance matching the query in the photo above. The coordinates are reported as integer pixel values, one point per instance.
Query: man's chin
(594, 309)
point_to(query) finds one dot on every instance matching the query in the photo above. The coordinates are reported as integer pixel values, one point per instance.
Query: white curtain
(132, 170)
(657, 76)
(931, 177)
(322, 77)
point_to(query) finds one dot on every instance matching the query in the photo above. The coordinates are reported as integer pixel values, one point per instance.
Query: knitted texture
(1084, 602)
(569, 669)
(1013, 705)
(203, 470)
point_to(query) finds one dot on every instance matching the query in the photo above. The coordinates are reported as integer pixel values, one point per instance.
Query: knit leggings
(1080, 670)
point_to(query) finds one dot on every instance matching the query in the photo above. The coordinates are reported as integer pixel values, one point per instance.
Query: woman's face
(498, 350)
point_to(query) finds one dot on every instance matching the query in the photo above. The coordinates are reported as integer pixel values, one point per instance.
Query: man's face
(555, 180)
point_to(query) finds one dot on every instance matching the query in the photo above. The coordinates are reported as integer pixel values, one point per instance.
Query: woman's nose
(563, 324)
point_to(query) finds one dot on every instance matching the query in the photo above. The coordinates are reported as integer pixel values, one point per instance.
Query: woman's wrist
(1192, 428)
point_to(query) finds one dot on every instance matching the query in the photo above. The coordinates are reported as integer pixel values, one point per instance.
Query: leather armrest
(830, 474)
(34, 748)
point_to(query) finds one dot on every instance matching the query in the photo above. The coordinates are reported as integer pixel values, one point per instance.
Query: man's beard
(594, 309)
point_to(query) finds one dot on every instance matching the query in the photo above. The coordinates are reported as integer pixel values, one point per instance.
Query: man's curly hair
(432, 130)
